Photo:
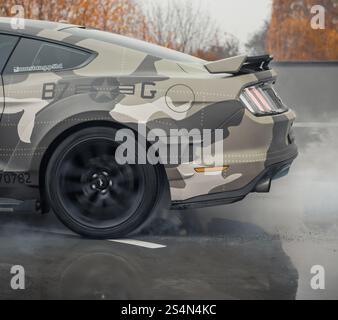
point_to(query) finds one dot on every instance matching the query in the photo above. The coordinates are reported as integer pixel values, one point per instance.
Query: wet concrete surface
(261, 248)
(209, 262)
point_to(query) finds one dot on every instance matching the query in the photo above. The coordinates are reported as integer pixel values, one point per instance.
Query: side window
(7, 44)
(39, 56)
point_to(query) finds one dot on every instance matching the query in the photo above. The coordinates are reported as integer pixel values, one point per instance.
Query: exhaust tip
(263, 186)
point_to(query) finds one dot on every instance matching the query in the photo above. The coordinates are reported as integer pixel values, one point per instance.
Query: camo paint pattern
(118, 86)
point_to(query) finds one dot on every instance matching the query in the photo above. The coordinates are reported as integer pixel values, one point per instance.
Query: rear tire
(92, 194)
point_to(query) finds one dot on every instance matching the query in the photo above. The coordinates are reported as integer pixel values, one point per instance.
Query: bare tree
(183, 26)
(256, 45)
(230, 45)
(225, 46)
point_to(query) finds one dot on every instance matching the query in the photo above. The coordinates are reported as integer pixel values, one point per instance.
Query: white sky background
(238, 17)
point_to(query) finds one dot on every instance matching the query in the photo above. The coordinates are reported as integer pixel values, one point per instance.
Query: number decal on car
(15, 178)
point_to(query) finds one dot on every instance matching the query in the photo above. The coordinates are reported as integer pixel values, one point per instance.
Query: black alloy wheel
(92, 193)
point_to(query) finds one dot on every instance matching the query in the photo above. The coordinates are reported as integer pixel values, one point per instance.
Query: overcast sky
(239, 17)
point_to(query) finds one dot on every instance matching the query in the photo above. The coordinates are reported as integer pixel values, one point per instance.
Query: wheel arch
(58, 139)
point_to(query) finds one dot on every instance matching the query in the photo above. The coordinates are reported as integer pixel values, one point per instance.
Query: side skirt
(11, 205)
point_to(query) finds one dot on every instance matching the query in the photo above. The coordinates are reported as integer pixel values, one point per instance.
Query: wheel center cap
(101, 181)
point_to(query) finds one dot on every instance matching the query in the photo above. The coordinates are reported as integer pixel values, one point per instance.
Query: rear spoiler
(240, 65)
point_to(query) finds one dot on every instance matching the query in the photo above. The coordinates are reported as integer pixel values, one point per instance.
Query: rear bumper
(250, 150)
(260, 184)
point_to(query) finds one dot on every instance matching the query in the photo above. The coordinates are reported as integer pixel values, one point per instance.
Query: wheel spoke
(73, 188)
(94, 197)
(73, 168)
(79, 161)
(121, 199)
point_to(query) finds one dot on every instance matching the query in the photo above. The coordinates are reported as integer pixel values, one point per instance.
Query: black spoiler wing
(240, 65)
(256, 64)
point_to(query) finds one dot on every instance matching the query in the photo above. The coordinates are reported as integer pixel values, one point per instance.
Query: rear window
(7, 44)
(33, 55)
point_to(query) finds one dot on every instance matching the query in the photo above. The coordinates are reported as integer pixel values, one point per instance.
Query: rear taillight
(262, 100)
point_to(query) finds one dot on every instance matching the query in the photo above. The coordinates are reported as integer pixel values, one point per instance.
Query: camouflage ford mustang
(66, 93)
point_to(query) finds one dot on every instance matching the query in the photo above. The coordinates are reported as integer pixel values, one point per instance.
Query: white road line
(138, 243)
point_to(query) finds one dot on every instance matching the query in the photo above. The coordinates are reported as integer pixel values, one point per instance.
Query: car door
(7, 44)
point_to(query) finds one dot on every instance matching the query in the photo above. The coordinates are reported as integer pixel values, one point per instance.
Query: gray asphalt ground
(200, 265)
(261, 248)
